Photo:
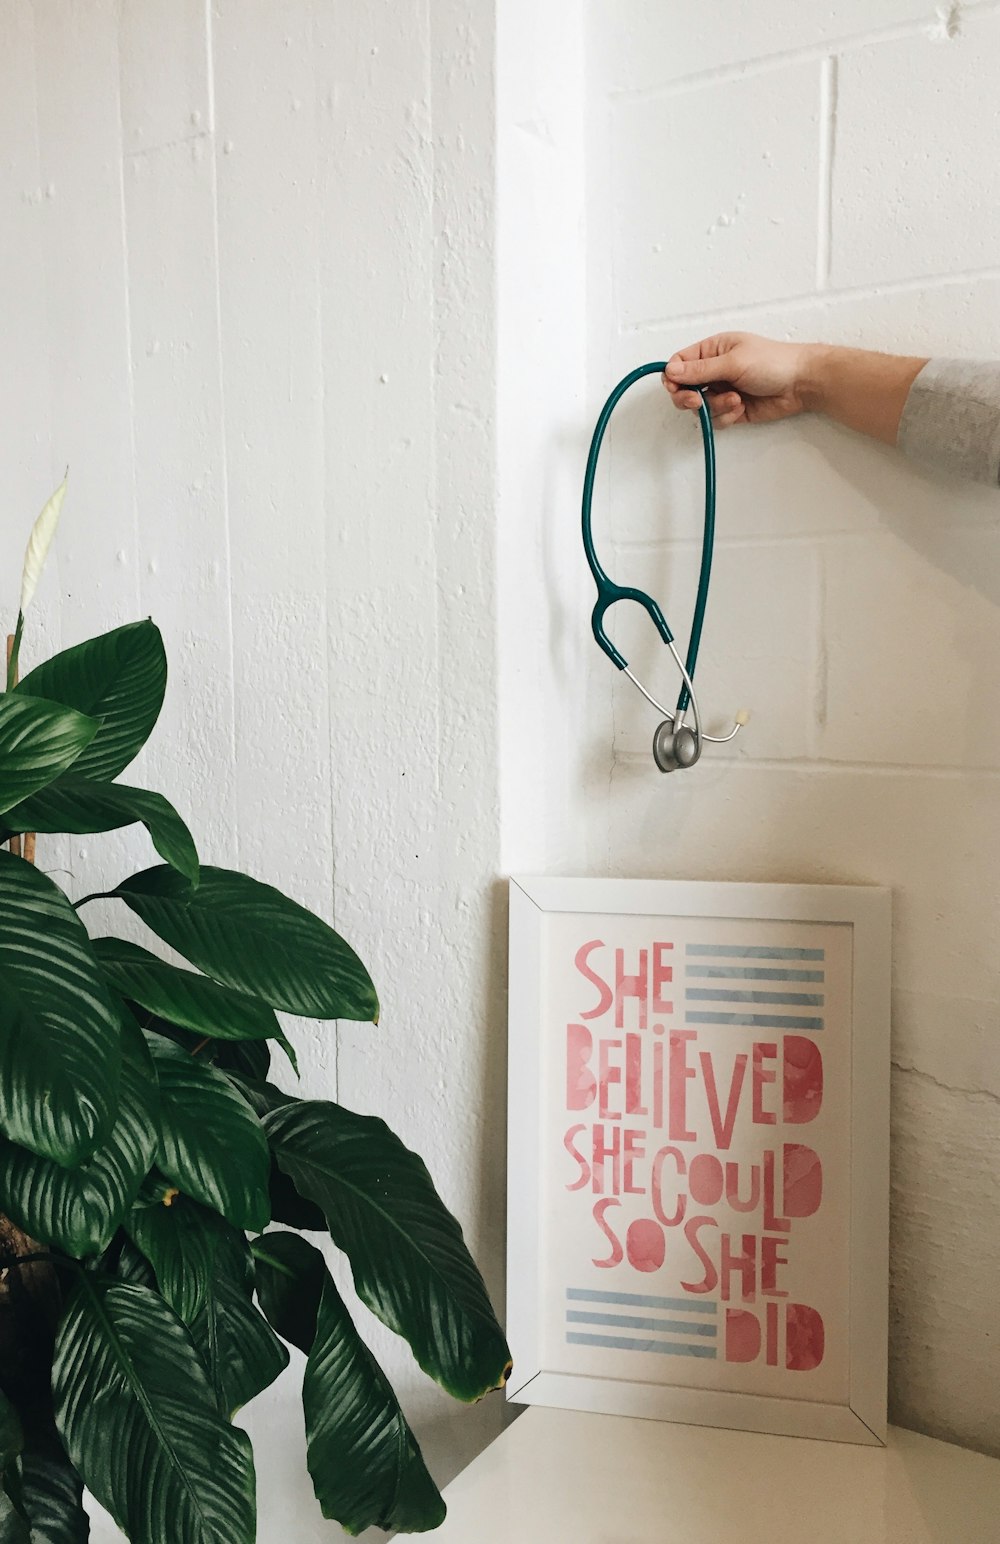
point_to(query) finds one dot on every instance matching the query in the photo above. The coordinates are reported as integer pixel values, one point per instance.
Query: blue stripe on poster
(623, 1321)
(641, 1300)
(754, 952)
(703, 994)
(753, 1020)
(751, 973)
(662, 1347)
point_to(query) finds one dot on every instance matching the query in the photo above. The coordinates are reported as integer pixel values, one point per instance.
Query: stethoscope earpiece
(675, 744)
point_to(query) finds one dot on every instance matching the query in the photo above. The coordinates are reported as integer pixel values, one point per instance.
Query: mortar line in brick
(827, 148)
(805, 299)
(821, 662)
(826, 767)
(766, 64)
(666, 545)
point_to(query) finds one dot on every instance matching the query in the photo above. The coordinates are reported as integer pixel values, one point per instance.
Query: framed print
(698, 1143)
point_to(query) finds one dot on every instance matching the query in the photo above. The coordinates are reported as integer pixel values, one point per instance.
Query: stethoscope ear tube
(675, 745)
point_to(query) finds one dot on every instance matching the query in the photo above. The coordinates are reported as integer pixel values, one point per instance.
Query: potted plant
(155, 1184)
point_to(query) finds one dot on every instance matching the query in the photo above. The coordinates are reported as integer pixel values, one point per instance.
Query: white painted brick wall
(916, 163)
(704, 217)
(858, 601)
(248, 294)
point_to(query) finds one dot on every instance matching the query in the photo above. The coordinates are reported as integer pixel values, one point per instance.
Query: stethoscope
(675, 743)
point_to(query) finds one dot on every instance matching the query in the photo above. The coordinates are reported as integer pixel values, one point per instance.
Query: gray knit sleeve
(951, 421)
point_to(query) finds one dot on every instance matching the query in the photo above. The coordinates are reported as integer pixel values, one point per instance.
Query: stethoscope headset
(675, 744)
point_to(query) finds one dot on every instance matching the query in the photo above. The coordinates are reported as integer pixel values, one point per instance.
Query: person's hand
(747, 379)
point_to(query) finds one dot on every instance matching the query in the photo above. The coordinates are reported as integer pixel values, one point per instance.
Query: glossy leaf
(11, 1435)
(289, 1274)
(79, 1210)
(119, 678)
(287, 1205)
(38, 741)
(140, 1422)
(79, 806)
(261, 1095)
(251, 1058)
(127, 1263)
(410, 1262)
(211, 1145)
(251, 937)
(182, 997)
(237, 1346)
(366, 1466)
(53, 1496)
(60, 1030)
(13, 1523)
(203, 1270)
(187, 1244)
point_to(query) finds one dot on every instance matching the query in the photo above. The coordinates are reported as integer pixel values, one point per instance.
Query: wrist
(813, 376)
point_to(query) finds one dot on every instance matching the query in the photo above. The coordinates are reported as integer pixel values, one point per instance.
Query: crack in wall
(948, 1088)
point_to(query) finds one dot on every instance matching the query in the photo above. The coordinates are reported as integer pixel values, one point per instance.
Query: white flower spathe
(39, 542)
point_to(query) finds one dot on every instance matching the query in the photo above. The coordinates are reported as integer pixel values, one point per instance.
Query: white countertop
(562, 1477)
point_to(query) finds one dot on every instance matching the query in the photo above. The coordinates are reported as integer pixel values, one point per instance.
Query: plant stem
(13, 650)
(98, 895)
(28, 1259)
(13, 645)
(196, 1050)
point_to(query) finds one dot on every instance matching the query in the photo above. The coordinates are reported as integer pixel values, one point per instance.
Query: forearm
(863, 390)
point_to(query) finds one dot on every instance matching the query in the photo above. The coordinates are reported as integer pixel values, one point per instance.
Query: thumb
(700, 372)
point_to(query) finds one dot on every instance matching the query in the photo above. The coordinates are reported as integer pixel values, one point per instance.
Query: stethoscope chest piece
(674, 749)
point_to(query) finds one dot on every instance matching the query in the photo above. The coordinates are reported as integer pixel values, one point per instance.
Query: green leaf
(79, 1210)
(13, 1523)
(204, 1271)
(252, 1058)
(139, 1419)
(210, 1142)
(411, 1266)
(186, 1244)
(251, 937)
(126, 1263)
(53, 1496)
(286, 1204)
(365, 1464)
(38, 741)
(237, 1345)
(11, 1435)
(80, 806)
(60, 1030)
(290, 1275)
(182, 997)
(289, 1207)
(119, 678)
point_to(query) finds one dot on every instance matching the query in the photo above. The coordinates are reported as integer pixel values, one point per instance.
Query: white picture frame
(551, 1180)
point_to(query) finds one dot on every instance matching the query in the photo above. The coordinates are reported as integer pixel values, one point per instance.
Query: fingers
(732, 415)
(699, 371)
(726, 407)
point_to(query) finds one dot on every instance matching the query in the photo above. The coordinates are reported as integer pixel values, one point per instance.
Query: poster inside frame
(698, 1152)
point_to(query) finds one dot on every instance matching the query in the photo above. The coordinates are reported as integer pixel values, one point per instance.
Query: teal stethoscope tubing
(608, 592)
